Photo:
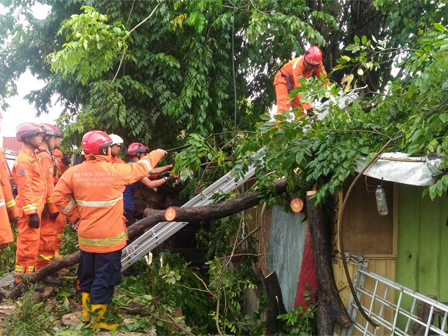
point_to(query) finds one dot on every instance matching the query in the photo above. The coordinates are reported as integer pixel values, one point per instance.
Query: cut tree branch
(210, 212)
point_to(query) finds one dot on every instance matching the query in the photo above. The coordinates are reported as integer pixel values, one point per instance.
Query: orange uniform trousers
(60, 224)
(28, 242)
(47, 242)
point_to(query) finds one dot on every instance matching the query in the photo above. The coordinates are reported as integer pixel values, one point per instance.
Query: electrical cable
(233, 69)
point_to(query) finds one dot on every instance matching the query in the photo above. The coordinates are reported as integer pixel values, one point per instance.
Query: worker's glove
(14, 221)
(45, 213)
(66, 160)
(54, 215)
(169, 179)
(34, 221)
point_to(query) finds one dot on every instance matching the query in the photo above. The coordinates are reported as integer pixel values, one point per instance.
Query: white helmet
(116, 139)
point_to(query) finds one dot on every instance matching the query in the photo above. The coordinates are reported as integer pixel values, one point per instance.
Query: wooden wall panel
(383, 267)
(365, 231)
(422, 243)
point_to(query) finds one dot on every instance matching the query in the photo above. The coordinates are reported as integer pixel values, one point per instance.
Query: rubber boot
(85, 299)
(101, 323)
(57, 256)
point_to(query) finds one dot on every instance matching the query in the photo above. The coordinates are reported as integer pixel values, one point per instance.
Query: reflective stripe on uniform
(295, 63)
(97, 204)
(49, 200)
(30, 269)
(10, 204)
(19, 269)
(29, 207)
(41, 256)
(69, 206)
(60, 235)
(146, 162)
(101, 242)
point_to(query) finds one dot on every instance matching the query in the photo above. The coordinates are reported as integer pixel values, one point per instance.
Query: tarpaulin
(401, 168)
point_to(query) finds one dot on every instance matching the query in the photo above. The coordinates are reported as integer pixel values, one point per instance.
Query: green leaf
(439, 27)
(344, 59)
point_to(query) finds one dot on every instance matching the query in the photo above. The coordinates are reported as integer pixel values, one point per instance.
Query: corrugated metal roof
(12, 144)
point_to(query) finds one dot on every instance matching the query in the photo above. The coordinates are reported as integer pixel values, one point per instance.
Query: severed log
(331, 310)
(220, 210)
(275, 304)
(210, 212)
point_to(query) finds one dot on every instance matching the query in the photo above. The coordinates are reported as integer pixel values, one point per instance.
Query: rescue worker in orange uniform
(287, 79)
(92, 193)
(136, 151)
(34, 193)
(117, 141)
(8, 210)
(48, 225)
(63, 162)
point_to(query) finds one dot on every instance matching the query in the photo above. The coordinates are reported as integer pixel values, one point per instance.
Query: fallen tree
(205, 213)
(331, 309)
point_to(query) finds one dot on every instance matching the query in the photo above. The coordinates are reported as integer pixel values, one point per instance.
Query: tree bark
(275, 304)
(205, 213)
(330, 307)
(224, 209)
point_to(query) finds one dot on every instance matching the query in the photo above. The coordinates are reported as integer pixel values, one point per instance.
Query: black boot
(39, 288)
(52, 281)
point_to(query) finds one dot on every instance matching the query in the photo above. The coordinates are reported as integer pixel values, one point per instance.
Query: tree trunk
(220, 210)
(275, 304)
(330, 307)
(205, 213)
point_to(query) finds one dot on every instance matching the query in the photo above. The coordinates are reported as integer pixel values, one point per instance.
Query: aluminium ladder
(164, 230)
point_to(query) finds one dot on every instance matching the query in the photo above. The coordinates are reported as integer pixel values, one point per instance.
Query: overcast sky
(20, 111)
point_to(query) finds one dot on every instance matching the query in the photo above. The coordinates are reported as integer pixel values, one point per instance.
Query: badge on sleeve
(21, 172)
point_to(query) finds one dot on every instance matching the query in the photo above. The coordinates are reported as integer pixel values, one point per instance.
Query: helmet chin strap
(27, 142)
(46, 139)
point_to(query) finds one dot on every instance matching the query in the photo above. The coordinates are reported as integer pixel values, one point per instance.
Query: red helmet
(313, 55)
(27, 130)
(137, 147)
(94, 141)
(50, 130)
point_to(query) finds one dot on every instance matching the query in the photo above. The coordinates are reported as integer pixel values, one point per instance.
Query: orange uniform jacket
(116, 159)
(48, 167)
(8, 210)
(62, 167)
(31, 183)
(295, 69)
(93, 193)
